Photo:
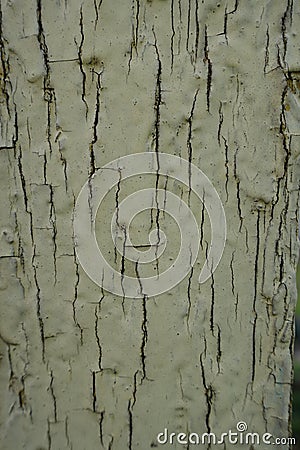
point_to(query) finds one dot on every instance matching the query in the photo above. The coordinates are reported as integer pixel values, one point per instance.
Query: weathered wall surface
(82, 83)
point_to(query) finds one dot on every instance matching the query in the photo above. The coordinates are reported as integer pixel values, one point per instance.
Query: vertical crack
(22, 178)
(173, 35)
(134, 33)
(97, 338)
(123, 266)
(118, 190)
(97, 9)
(189, 141)
(209, 395)
(267, 50)
(101, 420)
(38, 302)
(42, 42)
(110, 443)
(67, 432)
(219, 351)
(180, 27)
(130, 425)
(144, 338)
(188, 27)
(130, 406)
(288, 15)
(189, 298)
(286, 147)
(48, 96)
(158, 96)
(54, 230)
(197, 31)
(63, 161)
(255, 295)
(232, 274)
(49, 434)
(138, 277)
(26, 348)
(157, 105)
(80, 48)
(48, 90)
(94, 393)
(238, 190)
(221, 119)
(45, 168)
(225, 25)
(95, 123)
(5, 67)
(38, 290)
(226, 167)
(235, 7)
(53, 396)
(137, 23)
(209, 69)
(212, 305)
(202, 222)
(76, 296)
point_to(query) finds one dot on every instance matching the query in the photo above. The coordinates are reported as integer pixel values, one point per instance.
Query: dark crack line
(188, 27)
(101, 420)
(94, 393)
(226, 167)
(22, 178)
(138, 277)
(54, 230)
(144, 338)
(131, 404)
(288, 15)
(238, 193)
(134, 33)
(123, 267)
(221, 119)
(189, 299)
(267, 50)
(173, 35)
(157, 105)
(197, 33)
(219, 349)
(118, 190)
(130, 434)
(235, 7)
(98, 339)
(209, 70)
(95, 123)
(255, 295)
(232, 273)
(53, 396)
(80, 49)
(6, 84)
(76, 297)
(189, 142)
(212, 305)
(158, 95)
(209, 395)
(49, 434)
(38, 301)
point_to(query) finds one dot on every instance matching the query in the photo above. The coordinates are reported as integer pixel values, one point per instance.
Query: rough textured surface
(82, 83)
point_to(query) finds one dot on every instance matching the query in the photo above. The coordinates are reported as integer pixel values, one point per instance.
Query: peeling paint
(82, 83)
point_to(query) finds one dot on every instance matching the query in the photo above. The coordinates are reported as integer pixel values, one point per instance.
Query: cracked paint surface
(81, 83)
